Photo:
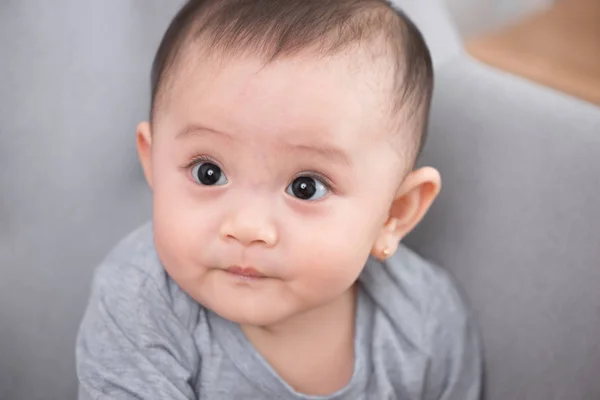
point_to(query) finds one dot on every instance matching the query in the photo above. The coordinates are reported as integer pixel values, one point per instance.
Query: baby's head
(281, 147)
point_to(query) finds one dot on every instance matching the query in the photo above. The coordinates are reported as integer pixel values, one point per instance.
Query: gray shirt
(142, 337)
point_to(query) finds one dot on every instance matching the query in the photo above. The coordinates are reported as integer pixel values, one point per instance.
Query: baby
(280, 152)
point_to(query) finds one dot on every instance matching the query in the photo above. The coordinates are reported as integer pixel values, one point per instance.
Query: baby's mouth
(245, 272)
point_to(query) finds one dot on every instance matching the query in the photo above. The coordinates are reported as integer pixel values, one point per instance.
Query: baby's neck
(306, 349)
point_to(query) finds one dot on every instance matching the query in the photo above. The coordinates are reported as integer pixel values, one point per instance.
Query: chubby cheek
(181, 229)
(329, 259)
(171, 236)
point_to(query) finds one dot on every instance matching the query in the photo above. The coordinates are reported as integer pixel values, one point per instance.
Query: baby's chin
(256, 316)
(258, 303)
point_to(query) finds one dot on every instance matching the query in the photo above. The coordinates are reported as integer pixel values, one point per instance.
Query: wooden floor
(559, 47)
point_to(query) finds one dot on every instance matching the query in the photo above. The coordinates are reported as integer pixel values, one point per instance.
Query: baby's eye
(307, 188)
(208, 174)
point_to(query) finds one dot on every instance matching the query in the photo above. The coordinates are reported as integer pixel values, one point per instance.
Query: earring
(386, 252)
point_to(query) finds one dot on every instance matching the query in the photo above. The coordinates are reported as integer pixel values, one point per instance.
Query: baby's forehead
(307, 77)
(304, 90)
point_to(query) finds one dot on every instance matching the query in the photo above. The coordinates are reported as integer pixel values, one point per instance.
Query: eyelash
(199, 158)
(318, 176)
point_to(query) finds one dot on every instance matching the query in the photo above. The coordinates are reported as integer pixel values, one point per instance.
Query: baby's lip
(245, 272)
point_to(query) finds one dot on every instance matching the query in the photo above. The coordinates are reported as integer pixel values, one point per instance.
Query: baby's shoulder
(132, 275)
(138, 323)
(406, 276)
(132, 263)
(416, 295)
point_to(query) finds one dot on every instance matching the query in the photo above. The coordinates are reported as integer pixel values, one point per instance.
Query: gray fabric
(518, 223)
(142, 337)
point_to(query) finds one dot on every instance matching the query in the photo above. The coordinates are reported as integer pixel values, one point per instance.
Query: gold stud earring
(386, 252)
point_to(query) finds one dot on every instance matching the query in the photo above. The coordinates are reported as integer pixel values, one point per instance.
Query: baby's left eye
(307, 188)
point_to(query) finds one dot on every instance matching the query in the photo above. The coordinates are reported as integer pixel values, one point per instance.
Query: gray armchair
(518, 221)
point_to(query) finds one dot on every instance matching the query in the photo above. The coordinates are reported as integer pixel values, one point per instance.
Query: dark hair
(279, 28)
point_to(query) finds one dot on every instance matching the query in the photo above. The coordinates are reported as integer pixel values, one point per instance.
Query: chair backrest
(73, 84)
(518, 220)
(518, 223)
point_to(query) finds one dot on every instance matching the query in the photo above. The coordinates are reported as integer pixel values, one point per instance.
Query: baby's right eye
(208, 174)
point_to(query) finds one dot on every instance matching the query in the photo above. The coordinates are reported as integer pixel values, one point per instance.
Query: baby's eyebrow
(199, 130)
(329, 153)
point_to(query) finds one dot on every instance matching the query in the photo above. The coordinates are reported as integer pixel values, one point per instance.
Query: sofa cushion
(518, 223)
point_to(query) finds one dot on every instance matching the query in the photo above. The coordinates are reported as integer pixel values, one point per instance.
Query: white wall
(477, 16)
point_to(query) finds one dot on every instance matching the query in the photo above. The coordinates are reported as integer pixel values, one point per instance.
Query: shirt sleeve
(456, 370)
(131, 345)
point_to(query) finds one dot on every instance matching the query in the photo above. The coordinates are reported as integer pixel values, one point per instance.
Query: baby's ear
(413, 199)
(144, 148)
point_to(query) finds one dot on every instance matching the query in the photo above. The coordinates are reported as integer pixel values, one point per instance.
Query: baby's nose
(251, 226)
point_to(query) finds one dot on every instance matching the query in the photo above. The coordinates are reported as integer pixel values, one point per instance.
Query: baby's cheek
(174, 234)
(328, 276)
(167, 241)
(336, 258)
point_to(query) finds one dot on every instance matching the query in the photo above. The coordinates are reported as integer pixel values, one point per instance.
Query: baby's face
(271, 184)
